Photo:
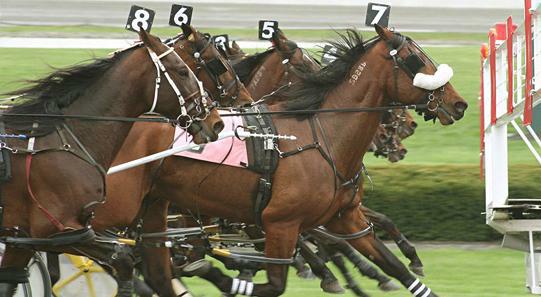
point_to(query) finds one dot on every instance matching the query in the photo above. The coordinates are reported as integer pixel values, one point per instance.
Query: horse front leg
(156, 265)
(280, 241)
(117, 260)
(352, 220)
(406, 247)
(13, 269)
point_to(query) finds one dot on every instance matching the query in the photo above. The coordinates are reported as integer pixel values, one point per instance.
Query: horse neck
(266, 77)
(349, 134)
(118, 93)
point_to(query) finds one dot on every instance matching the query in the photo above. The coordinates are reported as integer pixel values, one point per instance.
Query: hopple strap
(14, 275)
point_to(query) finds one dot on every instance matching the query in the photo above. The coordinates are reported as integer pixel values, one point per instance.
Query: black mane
(314, 86)
(54, 92)
(245, 66)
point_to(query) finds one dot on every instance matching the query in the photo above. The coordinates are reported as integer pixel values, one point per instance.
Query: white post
(533, 281)
(496, 174)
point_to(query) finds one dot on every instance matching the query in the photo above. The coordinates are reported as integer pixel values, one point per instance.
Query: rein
(90, 118)
(418, 107)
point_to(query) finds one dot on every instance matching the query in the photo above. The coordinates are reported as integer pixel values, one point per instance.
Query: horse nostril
(403, 152)
(461, 106)
(413, 124)
(218, 127)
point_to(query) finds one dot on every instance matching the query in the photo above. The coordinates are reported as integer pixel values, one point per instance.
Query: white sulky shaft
(186, 147)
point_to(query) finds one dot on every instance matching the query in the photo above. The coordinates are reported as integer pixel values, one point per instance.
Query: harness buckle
(393, 52)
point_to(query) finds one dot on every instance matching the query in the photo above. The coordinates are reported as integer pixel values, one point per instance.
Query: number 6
(181, 14)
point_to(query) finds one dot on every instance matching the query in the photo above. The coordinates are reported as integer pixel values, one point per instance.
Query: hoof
(332, 286)
(197, 268)
(417, 269)
(389, 286)
(306, 274)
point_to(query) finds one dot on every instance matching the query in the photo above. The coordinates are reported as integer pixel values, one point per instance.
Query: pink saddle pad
(228, 151)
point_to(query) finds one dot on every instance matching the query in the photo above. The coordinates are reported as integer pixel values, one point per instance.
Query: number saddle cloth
(256, 154)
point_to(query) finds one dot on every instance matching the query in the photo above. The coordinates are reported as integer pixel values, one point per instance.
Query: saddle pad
(228, 151)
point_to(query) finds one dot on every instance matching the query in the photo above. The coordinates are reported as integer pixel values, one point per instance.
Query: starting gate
(510, 89)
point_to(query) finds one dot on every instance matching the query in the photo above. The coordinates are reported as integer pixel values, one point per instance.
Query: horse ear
(149, 40)
(383, 32)
(279, 39)
(235, 46)
(188, 32)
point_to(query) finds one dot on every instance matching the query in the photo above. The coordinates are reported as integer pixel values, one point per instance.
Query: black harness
(215, 68)
(262, 156)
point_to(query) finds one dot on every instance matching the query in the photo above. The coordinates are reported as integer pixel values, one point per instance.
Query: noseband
(411, 66)
(199, 104)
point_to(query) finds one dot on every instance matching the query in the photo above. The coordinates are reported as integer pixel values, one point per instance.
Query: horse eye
(183, 72)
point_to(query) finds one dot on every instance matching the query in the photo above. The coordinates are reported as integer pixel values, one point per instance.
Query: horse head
(412, 77)
(184, 89)
(217, 74)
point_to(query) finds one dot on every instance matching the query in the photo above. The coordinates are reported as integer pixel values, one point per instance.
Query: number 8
(220, 41)
(141, 17)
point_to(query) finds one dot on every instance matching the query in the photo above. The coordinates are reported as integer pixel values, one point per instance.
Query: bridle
(411, 66)
(215, 68)
(184, 119)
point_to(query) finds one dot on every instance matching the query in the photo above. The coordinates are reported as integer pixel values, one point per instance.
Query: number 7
(381, 10)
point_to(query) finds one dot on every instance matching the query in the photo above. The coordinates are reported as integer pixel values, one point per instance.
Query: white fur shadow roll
(433, 81)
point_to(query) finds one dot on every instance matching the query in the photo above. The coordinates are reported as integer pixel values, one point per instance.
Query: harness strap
(49, 215)
(324, 232)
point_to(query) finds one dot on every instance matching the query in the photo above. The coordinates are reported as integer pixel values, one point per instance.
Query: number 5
(268, 30)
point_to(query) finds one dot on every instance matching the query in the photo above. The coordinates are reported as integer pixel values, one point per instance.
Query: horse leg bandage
(418, 289)
(433, 81)
(242, 287)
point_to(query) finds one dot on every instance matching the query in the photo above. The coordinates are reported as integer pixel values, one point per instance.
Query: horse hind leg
(352, 221)
(329, 283)
(338, 261)
(382, 221)
(303, 270)
(384, 282)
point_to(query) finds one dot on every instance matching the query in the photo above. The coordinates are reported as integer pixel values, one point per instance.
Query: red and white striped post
(484, 54)
(509, 40)
(529, 63)
(492, 62)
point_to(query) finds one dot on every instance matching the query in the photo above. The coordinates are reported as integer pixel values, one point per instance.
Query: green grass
(450, 272)
(234, 33)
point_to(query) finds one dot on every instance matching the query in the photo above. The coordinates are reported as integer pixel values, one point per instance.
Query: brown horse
(58, 176)
(126, 190)
(365, 74)
(267, 75)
